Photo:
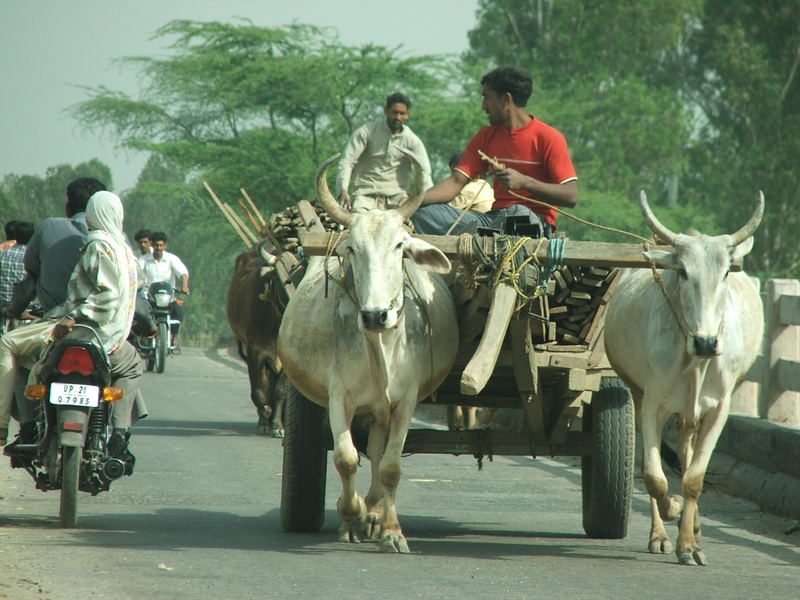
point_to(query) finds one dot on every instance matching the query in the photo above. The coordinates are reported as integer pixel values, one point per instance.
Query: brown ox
(255, 319)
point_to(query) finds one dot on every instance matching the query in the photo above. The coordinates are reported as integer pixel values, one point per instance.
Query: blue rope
(555, 259)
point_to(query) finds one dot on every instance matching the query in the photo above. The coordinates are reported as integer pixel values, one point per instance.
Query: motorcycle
(155, 349)
(72, 448)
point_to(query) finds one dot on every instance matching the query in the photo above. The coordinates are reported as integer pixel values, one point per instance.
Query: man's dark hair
(143, 233)
(159, 236)
(80, 190)
(397, 98)
(23, 231)
(515, 81)
(11, 230)
(454, 160)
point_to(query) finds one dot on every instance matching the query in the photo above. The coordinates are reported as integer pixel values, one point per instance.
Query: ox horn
(329, 203)
(413, 203)
(654, 224)
(750, 227)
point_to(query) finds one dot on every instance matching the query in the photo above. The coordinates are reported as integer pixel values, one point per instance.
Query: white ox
(382, 340)
(682, 349)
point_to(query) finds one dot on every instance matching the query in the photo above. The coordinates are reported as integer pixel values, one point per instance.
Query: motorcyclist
(166, 266)
(102, 294)
(50, 257)
(54, 250)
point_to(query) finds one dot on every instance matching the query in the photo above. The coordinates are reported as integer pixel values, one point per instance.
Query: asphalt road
(199, 520)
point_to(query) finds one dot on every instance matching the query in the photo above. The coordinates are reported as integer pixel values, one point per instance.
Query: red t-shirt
(537, 150)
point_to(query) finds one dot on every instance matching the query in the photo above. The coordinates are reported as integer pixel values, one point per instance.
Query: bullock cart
(531, 316)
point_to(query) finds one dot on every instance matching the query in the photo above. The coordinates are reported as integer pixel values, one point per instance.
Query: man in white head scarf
(102, 294)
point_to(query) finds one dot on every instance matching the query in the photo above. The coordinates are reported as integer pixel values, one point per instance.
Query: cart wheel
(304, 463)
(607, 475)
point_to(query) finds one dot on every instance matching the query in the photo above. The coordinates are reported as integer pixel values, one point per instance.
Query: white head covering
(104, 213)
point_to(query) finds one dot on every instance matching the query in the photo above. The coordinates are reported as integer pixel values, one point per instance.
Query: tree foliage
(35, 198)
(241, 106)
(695, 101)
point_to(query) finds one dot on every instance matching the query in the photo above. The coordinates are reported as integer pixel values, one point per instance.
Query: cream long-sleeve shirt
(372, 165)
(102, 290)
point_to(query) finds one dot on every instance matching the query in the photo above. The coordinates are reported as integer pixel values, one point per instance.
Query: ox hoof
(692, 557)
(263, 430)
(276, 432)
(660, 545)
(394, 543)
(373, 527)
(352, 532)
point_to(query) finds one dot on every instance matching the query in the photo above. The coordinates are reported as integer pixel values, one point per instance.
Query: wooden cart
(542, 356)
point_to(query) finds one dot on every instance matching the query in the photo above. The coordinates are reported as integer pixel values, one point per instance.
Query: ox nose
(705, 345)
(374, 319)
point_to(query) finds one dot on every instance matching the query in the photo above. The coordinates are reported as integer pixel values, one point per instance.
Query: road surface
(199, 520)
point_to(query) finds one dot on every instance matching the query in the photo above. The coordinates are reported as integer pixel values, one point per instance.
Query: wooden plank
(309, 216)
(476, 374)
(505, 443)
(577, 253)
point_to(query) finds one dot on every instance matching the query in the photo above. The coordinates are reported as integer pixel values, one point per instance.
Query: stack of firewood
(577, 301)
(285, 225)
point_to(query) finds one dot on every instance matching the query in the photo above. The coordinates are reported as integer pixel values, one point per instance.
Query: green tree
(256, 107)
(745, 84)
(604, 74)
(241, 106)
(34, 198)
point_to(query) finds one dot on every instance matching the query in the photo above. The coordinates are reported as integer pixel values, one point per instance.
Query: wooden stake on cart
(233, 223)
(253, 206)
(250, 217)
(240, 223)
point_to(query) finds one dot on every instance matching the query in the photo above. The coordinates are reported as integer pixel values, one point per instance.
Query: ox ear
(742, 250)
(661, 258)
(426, 256)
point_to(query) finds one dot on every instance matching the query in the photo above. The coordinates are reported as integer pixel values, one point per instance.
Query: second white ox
(382, 340)
(681, 349)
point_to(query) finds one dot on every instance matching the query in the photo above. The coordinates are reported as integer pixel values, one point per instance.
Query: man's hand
(511, 179)
(344, 199)
(62, 328)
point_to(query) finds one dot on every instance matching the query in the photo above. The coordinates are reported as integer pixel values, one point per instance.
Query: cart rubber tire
(162, 347)
(304, 463)
(70, 474)
(607, 475)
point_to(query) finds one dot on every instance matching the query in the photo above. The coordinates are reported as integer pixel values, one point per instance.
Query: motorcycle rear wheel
(162, 347)
(70, 475)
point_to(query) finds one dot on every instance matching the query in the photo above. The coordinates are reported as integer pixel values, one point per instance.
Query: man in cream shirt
(373, 171)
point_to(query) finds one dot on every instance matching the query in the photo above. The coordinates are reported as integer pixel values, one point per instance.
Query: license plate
(74, 394)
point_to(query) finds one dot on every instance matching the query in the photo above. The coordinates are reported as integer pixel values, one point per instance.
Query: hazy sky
(49, 46)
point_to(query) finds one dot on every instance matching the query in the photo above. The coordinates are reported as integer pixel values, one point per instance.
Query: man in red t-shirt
(536, 157)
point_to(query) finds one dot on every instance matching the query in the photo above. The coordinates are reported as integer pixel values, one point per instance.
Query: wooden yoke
(480, 367)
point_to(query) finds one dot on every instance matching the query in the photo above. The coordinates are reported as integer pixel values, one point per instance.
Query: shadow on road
(172, 427)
